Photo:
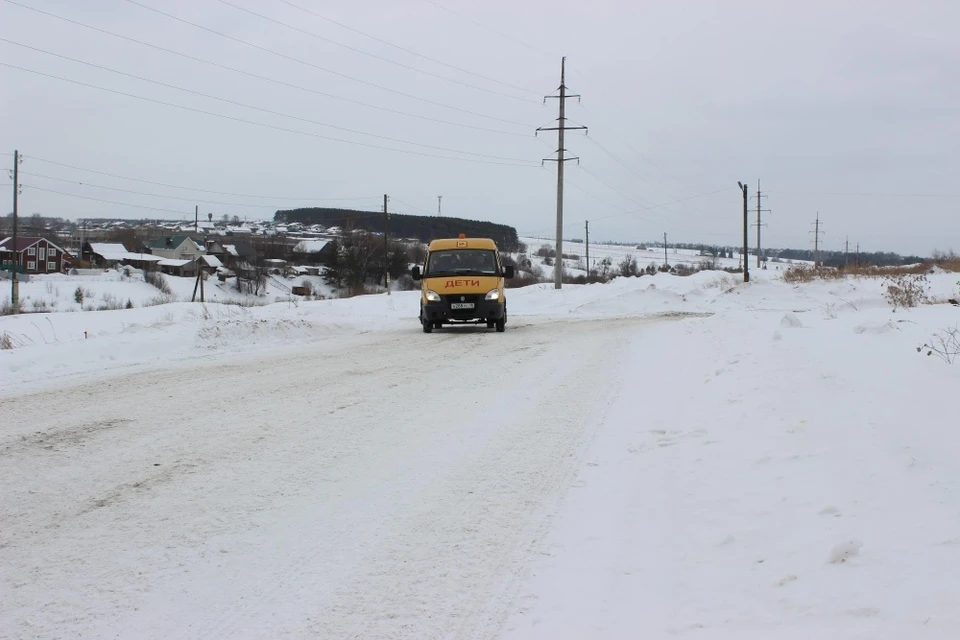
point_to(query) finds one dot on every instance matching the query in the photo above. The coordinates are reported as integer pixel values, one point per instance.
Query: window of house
(51, 266)
(31, 266)
(43, 254)
(32, 251)
(52, 252)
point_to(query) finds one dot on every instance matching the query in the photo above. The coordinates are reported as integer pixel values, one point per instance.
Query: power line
(152, 195)
(261, 109)
(138, 206)
(315, 66)
(260, 77)
(658, 206)
(173, 186)
(258, 124)
(492, 30)
(366, 53)
(405, 49)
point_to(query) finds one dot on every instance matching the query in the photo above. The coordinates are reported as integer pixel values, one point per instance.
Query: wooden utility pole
(14, 282)
(439, 201)
(746, 228)
(587, 226)
(560, 159)
(665, 261)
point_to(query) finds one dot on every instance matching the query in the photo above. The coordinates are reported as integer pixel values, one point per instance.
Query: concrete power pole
(386, 231)
(560, 159)
(665, 261)
(816, 242)
(760, 197)
(587, 227)
(439, 199)
(746, 227)
(14, 283)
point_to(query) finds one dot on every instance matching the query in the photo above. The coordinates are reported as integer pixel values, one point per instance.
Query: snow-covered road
(392, 486)
(654, 457)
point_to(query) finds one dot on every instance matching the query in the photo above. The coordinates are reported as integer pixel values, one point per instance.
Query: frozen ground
(654, 457)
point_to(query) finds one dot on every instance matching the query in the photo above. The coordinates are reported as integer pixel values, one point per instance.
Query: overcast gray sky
(851, 109)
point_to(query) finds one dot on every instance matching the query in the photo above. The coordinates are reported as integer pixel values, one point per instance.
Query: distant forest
(422, 228)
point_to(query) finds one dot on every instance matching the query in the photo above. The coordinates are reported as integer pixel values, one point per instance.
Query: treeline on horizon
(403, 225)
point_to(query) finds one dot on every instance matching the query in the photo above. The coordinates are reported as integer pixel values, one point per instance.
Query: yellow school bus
(462, 283)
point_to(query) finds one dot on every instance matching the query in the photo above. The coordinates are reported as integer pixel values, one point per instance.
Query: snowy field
(654, 457)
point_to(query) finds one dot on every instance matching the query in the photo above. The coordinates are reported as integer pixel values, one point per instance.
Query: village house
(111, 254)
(176, 247)
(37, 255)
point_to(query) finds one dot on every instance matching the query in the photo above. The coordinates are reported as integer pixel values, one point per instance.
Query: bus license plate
(461, 305)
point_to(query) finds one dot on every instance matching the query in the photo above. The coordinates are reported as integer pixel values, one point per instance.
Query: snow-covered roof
(167, 262)
(210, 261)
(310, 246)
(232, 250)
(116, 251)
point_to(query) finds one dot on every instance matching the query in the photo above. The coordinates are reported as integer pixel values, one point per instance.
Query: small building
(176, 247)
(109, 254)
(314, 251)
(209, 263)
(181, 268)
(36, 255)
(274, 265)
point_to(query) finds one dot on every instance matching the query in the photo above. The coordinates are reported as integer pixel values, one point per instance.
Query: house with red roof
(37, 255)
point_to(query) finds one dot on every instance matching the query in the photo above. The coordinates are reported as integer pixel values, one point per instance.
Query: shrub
(6, 342)
(156, 279)
(906, 290)
(546, 251)
(945, 344)
(78, 295)
(628, 267)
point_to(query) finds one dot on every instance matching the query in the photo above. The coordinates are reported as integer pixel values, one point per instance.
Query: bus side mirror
(415, 273)
(508, 271)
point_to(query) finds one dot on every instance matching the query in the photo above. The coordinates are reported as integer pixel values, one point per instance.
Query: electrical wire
(255, 108)
(264, 78)
(492, 30)
(143, 193)
(254, 123)
(366, 53)
(315, 66)
(407, 50)
(173, 186)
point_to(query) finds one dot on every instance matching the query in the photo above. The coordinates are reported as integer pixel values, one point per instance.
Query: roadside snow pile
(41, 345)
(742, 487)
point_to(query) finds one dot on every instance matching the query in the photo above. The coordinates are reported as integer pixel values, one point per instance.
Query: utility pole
(587, 226)
(846, 252)
(560, 128)
(14, 283)
(760, 196)
(386, 230)
(439, 199)
(665, 261)
(746, 227)
(196, 218)
(816, 242)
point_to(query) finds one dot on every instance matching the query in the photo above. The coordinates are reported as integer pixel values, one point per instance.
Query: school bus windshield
(448, 262)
